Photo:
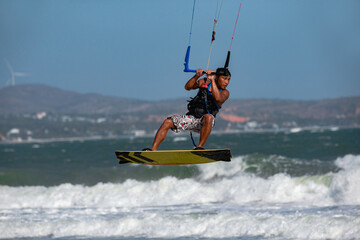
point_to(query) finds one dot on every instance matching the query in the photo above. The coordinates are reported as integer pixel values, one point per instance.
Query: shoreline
(174, 135)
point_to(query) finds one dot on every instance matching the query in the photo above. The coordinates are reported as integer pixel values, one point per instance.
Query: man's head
(223, 76)
(223, 72)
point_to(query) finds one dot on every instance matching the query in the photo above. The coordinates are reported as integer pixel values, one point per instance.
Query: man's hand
(199, 72)
(210, 74)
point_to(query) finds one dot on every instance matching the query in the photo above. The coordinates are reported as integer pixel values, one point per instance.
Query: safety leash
(192, 139)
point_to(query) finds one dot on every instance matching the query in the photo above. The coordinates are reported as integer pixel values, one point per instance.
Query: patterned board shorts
(188, 122)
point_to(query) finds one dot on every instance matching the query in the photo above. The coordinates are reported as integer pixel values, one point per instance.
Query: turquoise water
(301, 185)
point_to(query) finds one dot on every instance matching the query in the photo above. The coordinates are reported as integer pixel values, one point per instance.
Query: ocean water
(303, 185)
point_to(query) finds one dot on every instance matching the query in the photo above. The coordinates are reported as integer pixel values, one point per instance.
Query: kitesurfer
(202, 109)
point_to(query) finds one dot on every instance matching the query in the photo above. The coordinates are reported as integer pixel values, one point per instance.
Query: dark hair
(223, 72)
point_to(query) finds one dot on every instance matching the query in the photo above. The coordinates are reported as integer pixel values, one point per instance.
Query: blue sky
(287, 49)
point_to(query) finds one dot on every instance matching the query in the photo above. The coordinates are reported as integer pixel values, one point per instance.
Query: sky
(282, 49)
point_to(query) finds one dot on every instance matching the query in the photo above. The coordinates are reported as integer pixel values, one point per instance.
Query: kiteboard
(174, 157)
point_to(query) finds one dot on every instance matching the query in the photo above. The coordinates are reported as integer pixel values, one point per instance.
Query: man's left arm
(220, 96)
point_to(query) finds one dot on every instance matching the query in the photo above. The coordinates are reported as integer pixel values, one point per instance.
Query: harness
(203, 103)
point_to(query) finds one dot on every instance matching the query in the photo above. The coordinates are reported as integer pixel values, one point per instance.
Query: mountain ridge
(33, 98)
(43, 112)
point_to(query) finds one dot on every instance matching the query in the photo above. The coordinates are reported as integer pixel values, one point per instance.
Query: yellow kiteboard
(174, 157)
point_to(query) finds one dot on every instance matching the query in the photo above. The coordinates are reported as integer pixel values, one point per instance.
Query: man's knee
(208, 119)
(168, 123)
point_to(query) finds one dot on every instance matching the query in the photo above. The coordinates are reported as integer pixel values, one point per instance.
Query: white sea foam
(223, 202)
(346, 184)
(205, 221)
(219, 182)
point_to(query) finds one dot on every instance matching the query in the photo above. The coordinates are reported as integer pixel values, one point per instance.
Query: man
(202, 108)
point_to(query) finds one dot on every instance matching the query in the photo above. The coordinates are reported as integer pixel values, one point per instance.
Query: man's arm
(220, 96)
(193, 83)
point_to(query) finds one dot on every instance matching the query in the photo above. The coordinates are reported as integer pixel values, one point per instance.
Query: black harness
(203, 103)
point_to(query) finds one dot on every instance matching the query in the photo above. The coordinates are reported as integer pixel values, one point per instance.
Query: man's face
(223, 81)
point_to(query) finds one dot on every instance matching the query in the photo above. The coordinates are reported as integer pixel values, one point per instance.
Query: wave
(261, 165)
(47, 173)
(220, 182)
(265, 166)
(222, 201)
(186, 223)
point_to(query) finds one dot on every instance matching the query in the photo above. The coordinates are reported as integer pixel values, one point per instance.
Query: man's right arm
(193, 82)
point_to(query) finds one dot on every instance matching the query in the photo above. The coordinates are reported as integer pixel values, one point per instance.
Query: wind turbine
(11, 80)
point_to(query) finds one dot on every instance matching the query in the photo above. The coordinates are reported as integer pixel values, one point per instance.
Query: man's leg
(161, 133)
(206, 129)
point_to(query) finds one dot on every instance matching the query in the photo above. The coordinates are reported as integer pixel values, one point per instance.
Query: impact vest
(203, 103)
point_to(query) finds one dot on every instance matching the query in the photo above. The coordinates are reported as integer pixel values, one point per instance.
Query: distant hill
(37, 98)
(41, 112)
(329, 111)
(30, 99)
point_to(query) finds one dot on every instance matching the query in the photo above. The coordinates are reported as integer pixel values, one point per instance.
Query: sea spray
(345, 186)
